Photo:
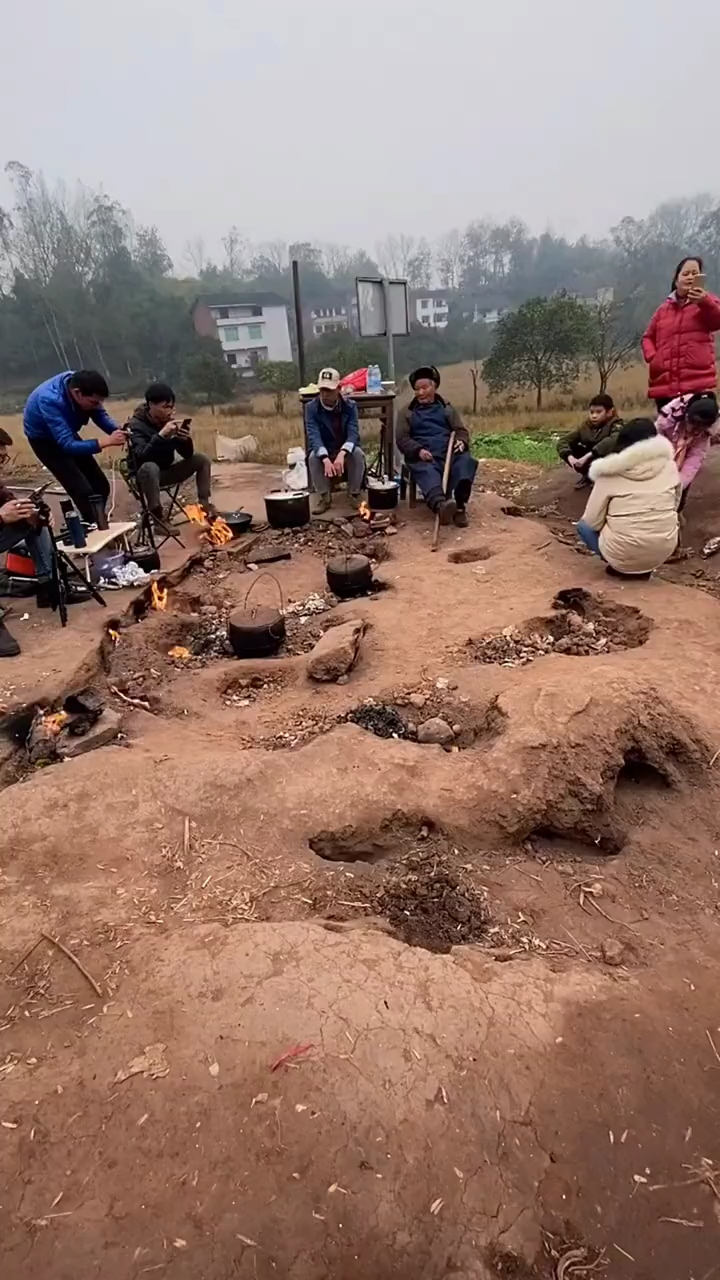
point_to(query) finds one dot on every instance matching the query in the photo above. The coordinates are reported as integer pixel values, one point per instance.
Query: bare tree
(236, 252)
(420, 266)
(196, 254)
(613, 340)
(448, 258)
(393, 255)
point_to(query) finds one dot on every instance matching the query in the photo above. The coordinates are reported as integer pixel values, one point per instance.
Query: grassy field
(512, 429)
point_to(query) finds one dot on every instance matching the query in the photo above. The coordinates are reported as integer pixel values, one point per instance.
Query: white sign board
(371, 308)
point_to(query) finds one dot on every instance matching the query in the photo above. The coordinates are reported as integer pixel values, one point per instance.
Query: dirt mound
(583, 624)
(430, 905)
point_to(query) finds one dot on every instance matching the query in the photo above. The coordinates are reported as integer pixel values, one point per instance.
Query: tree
(420, 265)
(235, 247)
(205, 373)
(394, 254)
(448, 256)
(280, 377)
(613, 341)
(540, 345)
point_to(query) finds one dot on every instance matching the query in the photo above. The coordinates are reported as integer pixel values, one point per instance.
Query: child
(594, 439)
(688, 422)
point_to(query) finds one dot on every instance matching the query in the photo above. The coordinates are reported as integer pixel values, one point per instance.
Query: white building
(430, 308)
(251, 328)
(331, 319)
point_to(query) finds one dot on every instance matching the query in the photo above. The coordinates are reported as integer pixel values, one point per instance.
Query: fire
(364, 511)
(158, 596)
(195, 513)
(55, 721)
(219, 532)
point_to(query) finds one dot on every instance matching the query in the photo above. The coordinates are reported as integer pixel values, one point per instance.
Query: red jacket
(679, 347)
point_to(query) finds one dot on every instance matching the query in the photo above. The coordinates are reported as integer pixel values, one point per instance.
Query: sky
(347, 120)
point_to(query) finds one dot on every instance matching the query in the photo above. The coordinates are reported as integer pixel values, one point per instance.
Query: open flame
(364, 512)
(55, 720)
(158, 596)
(217, 532)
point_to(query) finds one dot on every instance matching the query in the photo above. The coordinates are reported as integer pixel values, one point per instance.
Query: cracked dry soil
(322, 1083)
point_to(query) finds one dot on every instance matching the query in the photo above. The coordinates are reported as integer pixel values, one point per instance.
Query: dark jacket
(679, 347)
(51, 414)
(330, 430)
(599, 441)
(147, 445)
(429, 427)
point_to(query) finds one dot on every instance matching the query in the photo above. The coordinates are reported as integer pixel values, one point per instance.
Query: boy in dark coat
(424, 430)
(596, 438)
(155, 437)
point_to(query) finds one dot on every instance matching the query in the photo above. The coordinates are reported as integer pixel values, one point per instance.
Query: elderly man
(155, 437)
(424, 432)
(333, 434)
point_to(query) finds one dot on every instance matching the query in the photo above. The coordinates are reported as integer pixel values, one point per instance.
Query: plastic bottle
(374, 380)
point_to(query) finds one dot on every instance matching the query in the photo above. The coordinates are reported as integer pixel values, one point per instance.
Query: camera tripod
(63, 572)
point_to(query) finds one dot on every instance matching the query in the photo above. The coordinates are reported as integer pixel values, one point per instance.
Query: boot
(9, 647)
(44, 595)
(323, 504)
(446, 509)
(460, 519)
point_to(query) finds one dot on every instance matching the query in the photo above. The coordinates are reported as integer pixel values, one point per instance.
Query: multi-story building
(250, 327)
(430, 308)
(328, 319)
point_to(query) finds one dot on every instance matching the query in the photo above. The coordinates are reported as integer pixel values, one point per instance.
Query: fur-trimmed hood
(641, 461)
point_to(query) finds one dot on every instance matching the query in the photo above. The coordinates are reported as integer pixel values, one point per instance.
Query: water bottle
(374, 380)
(75, 528)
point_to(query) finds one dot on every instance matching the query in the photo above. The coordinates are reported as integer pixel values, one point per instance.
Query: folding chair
(149, 523)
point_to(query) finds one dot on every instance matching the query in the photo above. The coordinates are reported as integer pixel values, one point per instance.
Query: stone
(435, 730)
(418, 700)
(614, 952)
(336, 651)
(103, 731)
(343, 680)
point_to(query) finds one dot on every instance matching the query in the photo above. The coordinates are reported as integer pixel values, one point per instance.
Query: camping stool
(149, 523)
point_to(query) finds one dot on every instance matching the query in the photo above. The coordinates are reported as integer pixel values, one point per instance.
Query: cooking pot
(382, 495)
(349, 575)
(286, 509)
(237, 521)
(257, 632)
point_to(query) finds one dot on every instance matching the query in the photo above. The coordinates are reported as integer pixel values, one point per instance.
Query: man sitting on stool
(155, 436)
(424, 432)
(55, 414)
(19, 522)
(333, 434)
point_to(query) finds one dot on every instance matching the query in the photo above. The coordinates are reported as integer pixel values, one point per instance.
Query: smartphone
(184, 425)
(37, 493)
(699, 281)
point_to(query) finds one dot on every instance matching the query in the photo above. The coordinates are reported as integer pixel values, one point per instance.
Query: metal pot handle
(266, 574)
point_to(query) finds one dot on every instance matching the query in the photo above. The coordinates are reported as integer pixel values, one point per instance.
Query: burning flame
(217, 532)
(114, 635)
(55, 721)
(364, 512)
(158, 596)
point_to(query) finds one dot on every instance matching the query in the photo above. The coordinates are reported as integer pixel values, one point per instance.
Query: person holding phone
(678, 345)
(20, 521)
(155, 437)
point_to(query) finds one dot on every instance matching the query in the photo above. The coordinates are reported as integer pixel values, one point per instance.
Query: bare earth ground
(370, 1007)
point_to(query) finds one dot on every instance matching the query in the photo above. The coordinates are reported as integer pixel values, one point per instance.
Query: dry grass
(276, 434)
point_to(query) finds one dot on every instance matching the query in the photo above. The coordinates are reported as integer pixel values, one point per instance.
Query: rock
(336, 651)
(102, 732)
(457, 728)
(442, 683)
(343, 680)
(417, 700)
(614, 952)
(435, 730)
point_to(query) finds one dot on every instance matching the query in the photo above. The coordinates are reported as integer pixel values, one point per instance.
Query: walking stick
(446, 476)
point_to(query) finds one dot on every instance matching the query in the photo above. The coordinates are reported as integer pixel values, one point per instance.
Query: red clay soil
(287, 1071)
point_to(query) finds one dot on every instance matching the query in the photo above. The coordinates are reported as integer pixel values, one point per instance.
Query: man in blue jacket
(55, 414)
(333, 434)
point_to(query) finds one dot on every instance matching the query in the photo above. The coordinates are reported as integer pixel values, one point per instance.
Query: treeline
(81, 284)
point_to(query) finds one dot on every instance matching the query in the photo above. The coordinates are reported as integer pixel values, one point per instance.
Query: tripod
(63, 572)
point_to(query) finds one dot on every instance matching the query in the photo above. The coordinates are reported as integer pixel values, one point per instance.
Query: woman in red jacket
(678, 345)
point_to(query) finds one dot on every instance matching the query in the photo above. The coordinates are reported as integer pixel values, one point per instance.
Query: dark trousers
(428, 477)
(578, 450)
(77, 473)
(151, 479)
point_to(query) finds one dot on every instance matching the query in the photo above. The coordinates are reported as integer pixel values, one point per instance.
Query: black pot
(349, 576)
(237, 521)
(382, 495)
(257, 632)
(287, 510)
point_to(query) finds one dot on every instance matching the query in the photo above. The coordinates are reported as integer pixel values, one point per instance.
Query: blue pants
(428, 477)
(590, 537)
(37, 541)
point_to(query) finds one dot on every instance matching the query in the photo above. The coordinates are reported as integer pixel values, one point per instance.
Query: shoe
(356, 499)
(629, 577)
(583, 483)
(211, 512)
(460, 519)
(446, 510)
(323, 504)
(9, 647)
(44, 593)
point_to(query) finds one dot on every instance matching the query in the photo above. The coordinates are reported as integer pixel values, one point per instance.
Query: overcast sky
(347, 119)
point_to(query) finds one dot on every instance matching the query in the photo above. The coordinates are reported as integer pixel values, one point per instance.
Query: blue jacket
(330, 430)
(50, 414)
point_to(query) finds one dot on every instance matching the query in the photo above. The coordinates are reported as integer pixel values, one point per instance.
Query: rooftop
(233, 299)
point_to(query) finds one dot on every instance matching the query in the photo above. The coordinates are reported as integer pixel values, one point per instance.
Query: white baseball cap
(329, 379)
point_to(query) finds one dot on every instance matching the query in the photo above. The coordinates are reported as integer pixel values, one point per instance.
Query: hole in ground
(392, 839)
(582, 625)
(551, 842)
(638, 774)
(470, 555)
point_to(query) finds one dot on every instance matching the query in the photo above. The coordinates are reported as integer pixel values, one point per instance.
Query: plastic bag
(357, 380)
(296, 476)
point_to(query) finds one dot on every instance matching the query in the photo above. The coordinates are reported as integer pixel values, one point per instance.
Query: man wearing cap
(424, 432)
(333, 434)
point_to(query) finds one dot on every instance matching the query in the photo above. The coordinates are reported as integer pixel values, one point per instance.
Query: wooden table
(101, 538)
(380, 406)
